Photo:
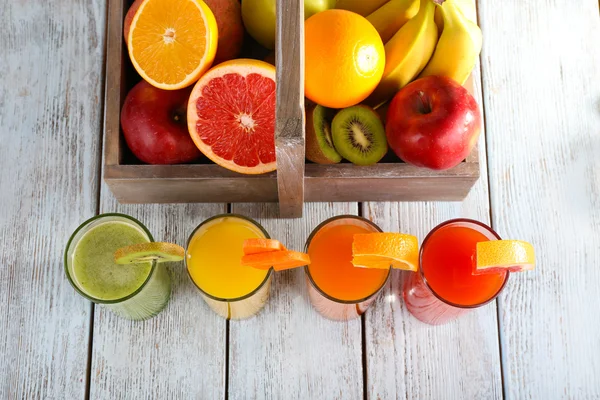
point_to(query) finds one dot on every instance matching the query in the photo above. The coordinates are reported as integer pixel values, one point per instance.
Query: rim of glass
(85, 224)
(220, 216)
(422, 274)
(307, 271)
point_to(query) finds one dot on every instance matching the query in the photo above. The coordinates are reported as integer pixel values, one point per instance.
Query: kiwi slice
(319, 143)
(359, 135)
(144, 252)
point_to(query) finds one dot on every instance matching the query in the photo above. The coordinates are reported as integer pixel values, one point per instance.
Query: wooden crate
(295, 181)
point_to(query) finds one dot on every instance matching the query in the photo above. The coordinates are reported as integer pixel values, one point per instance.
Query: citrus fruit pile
(228, 115)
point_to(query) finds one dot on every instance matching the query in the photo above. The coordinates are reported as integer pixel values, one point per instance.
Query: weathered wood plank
(541, 97)
(409, 359)
(181, 352)
(290, 123)
(50, 121)
(288, 350)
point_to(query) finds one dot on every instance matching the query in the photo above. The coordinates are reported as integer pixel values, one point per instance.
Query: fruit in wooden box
(231, 116)
(168, 51)
(344, 58)
(155, 127)
(359, 135)
(319, 143)
(406, 54)
(362, 7)
(229, 23)
(458, 48)
(433, 122)
(259, 17)
(391, 16)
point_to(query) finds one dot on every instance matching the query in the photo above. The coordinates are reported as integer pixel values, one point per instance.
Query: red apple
(433, 122)
(155, 125)
(228, 14)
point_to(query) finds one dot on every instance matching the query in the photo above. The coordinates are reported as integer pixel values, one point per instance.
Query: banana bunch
(413, 46)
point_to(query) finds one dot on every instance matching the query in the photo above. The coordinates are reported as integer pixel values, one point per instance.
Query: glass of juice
(337, 289)
(133, 291)
(213, 259)
(445, 286)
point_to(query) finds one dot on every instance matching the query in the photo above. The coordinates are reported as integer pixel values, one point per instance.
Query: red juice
(445, 286)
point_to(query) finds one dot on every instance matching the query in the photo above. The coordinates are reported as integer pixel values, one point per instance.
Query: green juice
(133, 291)
(93, 261)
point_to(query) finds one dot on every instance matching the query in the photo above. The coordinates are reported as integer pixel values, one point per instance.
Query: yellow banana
(391, 16)
(406, 54)
(458, 48)
(362, 7)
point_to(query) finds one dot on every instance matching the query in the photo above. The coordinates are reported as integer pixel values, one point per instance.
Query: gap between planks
(88, 380)
(489, 194)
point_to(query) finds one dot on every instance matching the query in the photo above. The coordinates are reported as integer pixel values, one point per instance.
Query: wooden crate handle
(289, 114)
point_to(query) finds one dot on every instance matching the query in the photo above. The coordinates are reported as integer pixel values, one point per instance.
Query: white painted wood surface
(178, 354)
(542, 99)
(51, 57)
(288, 351)
(409, 359)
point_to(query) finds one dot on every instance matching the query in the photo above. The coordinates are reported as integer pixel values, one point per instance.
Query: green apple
(259, 17)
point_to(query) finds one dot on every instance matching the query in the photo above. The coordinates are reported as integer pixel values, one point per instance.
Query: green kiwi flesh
(319, 143)
(359, 135)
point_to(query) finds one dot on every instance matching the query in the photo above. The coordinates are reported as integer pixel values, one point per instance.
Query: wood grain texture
(542, 98)
(409, 359)
(50, 118)
(288, 350)
(178, 354)
(289, 113)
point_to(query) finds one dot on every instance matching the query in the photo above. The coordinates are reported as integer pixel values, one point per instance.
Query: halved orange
(231, 116)
(259, 245)
(501, 255)
(280, 260)
(172, 42)
(385, 250)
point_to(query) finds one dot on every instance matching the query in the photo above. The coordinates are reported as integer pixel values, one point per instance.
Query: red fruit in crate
(433, 122)
(231, 115)
(228, 14)
(155, 126)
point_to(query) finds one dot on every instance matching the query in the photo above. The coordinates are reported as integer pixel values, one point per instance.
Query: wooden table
(541, 339)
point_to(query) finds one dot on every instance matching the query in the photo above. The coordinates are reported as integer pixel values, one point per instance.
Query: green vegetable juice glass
(133, 291)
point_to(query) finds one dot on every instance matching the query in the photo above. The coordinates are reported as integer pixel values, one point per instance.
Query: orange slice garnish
(385, 250)
(258, 245)
(172, 42)
(501, 255)
(280, 260)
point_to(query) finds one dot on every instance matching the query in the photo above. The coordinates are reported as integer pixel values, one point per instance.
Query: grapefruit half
(231, 116)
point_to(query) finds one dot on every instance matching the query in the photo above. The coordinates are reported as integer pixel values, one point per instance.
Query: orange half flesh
(500, 255)
(172, 43)
(385, 250)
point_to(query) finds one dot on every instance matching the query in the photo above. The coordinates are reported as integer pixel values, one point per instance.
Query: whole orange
(344, 58)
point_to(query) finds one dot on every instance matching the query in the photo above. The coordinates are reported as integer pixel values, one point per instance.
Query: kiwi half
(319, 143)
(359, 135)
(144, 252)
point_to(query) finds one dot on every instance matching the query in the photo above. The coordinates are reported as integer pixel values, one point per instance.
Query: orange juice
(213, 259)
(338, 289)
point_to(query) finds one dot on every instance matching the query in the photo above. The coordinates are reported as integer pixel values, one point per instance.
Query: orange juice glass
(213, 260)
(445, 287)
(336, 288)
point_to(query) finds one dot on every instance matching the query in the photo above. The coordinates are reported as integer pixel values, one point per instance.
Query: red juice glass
(445, 287)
